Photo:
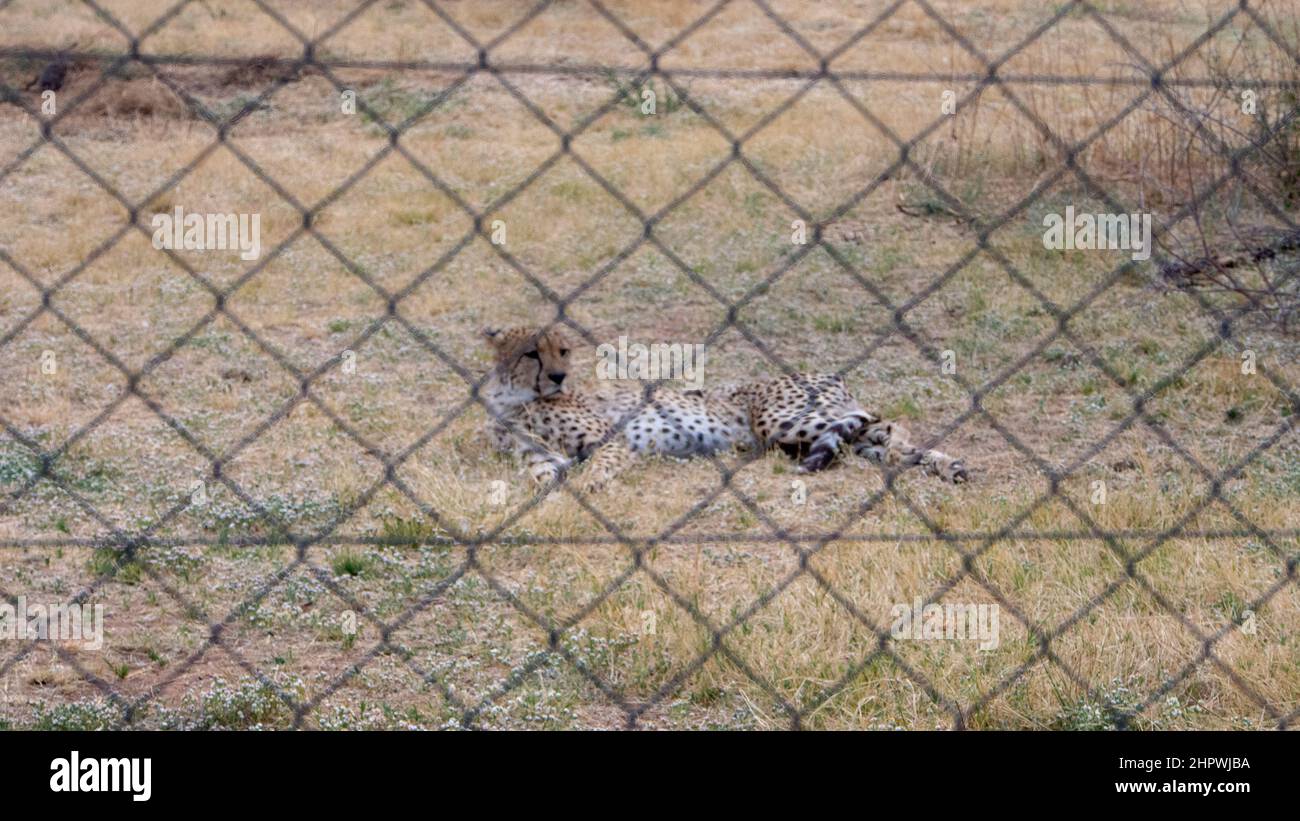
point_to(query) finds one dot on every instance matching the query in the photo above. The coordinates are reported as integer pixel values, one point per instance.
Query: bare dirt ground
(672, 597)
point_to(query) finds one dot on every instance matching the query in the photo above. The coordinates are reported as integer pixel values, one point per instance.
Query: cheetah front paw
(546, 474)
(590, 484)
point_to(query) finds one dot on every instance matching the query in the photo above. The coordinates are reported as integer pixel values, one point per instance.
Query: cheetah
(534, 413)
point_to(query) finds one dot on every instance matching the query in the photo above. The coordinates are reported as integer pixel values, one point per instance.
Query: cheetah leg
(828, 443)
(545, 463)
(498, 437)
(606, 462)
(889, 444)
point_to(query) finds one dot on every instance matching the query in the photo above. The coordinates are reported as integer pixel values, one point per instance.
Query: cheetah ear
(563, 335)
(494, 338)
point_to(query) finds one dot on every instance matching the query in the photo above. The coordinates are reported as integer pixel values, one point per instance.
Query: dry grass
(790, 634)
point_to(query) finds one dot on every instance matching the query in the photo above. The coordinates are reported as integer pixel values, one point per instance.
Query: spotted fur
(812, 417)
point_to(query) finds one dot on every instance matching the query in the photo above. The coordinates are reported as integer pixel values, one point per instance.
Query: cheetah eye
(564, 351)
(533, 355)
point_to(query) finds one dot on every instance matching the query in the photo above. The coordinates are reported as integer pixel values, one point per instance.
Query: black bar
(300, 771)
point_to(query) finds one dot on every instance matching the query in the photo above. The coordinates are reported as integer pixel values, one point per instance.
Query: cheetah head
(530, 362)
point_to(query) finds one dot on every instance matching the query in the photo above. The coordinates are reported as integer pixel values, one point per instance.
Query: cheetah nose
(557, 378)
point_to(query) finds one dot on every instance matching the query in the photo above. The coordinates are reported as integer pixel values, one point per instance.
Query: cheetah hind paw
(817, 460)
(950, 470)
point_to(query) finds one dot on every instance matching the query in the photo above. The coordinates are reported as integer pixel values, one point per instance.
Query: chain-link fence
(1151, 82)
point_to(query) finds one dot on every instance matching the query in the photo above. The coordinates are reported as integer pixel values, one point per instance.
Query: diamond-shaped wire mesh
(478, 57)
